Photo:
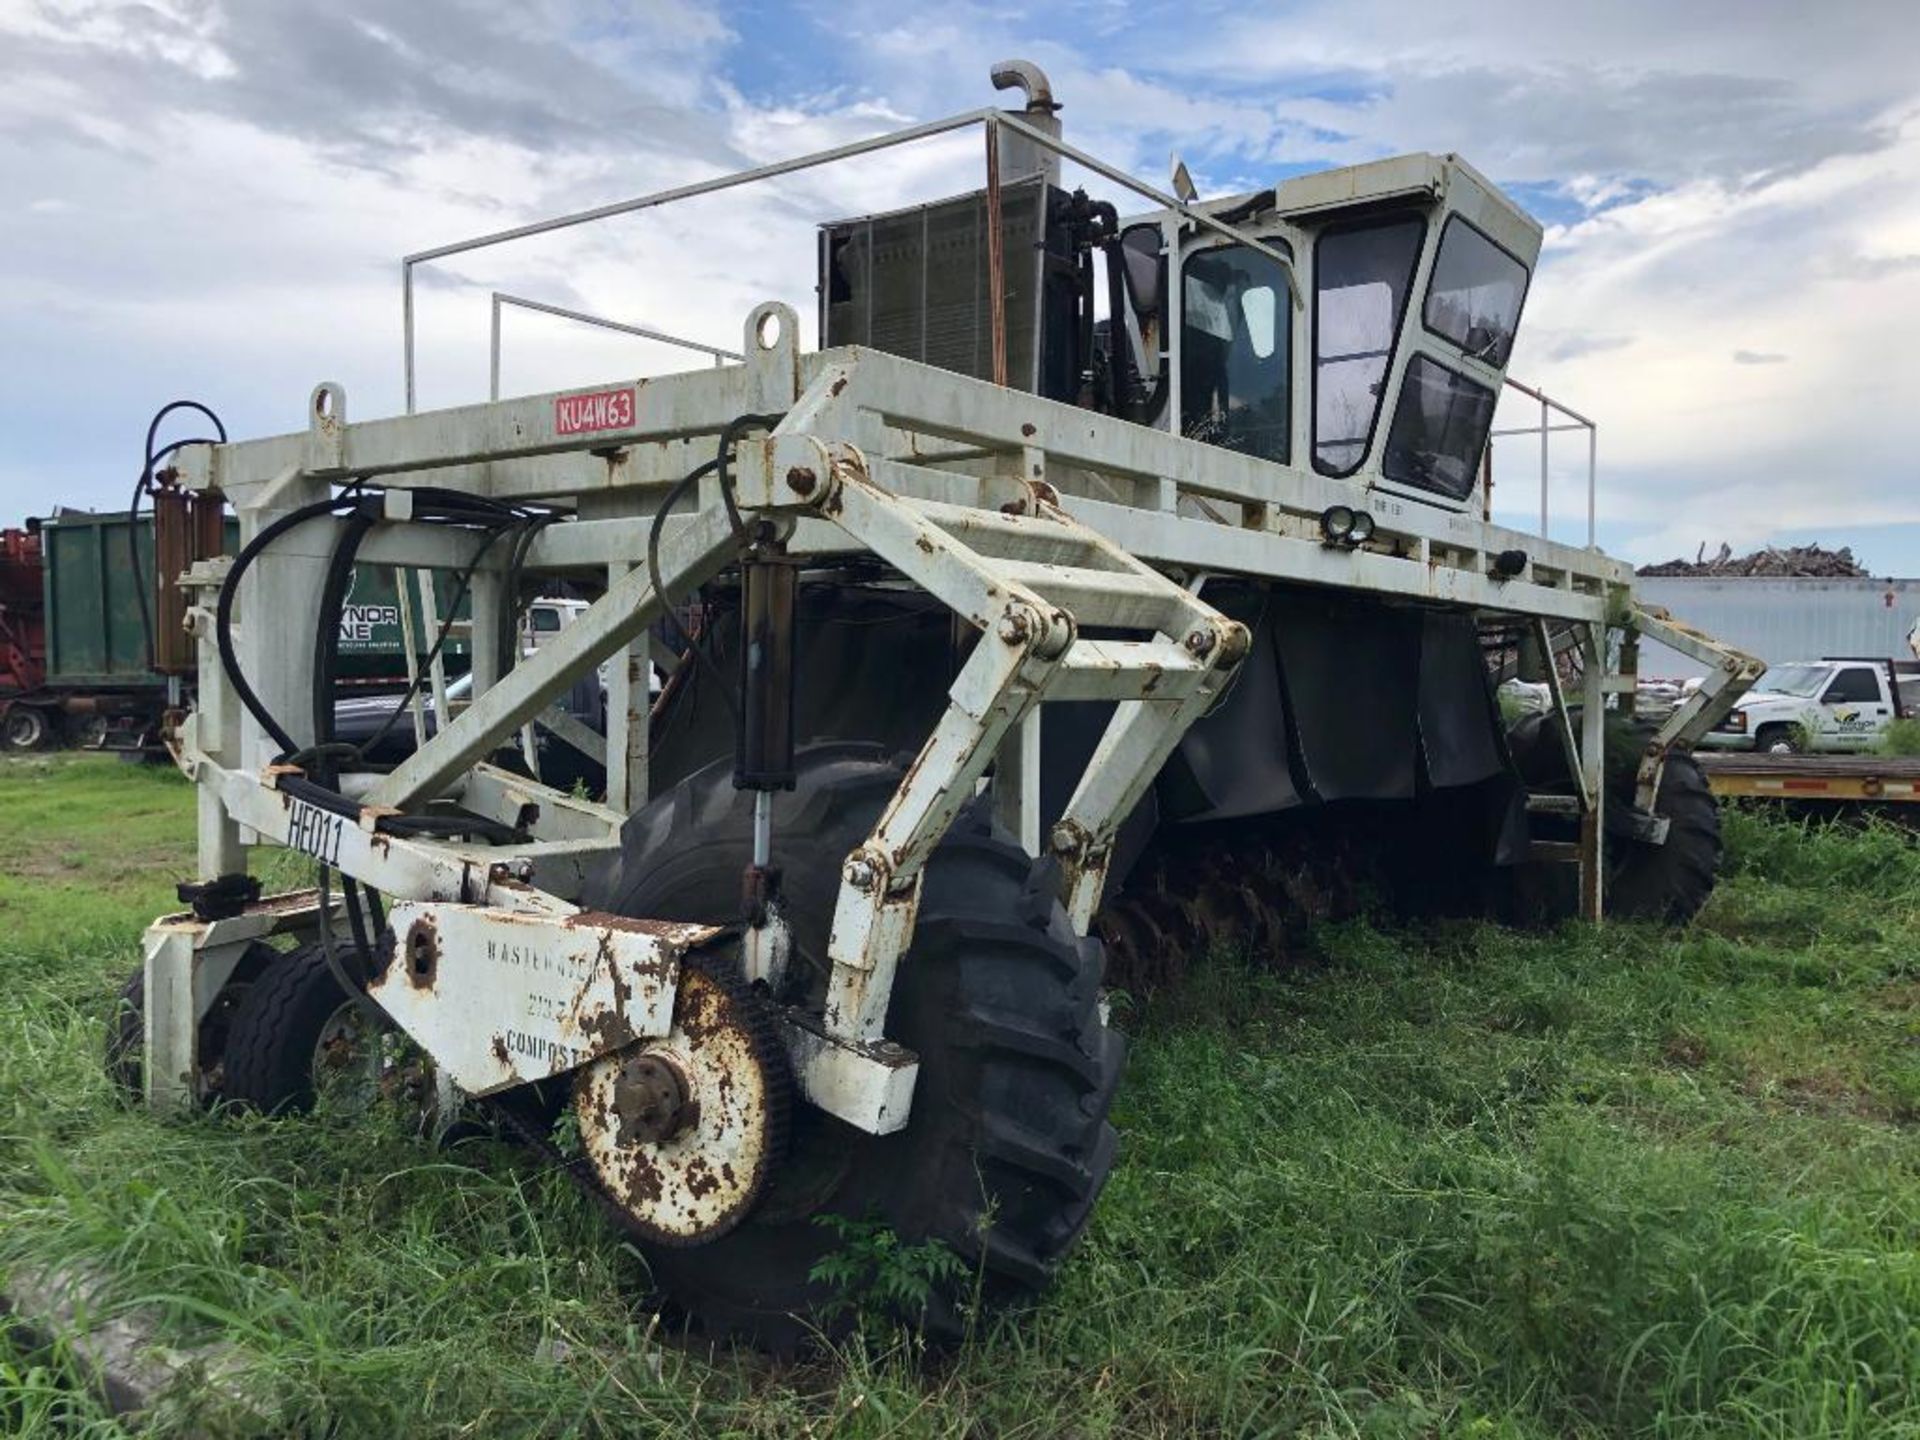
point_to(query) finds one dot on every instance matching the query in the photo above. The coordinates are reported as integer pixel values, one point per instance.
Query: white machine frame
(1030, 519)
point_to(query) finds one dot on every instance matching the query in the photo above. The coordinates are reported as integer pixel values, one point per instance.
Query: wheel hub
(685, 1131)
(650, 1097)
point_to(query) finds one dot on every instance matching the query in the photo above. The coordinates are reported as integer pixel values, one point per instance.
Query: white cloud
(211, 195)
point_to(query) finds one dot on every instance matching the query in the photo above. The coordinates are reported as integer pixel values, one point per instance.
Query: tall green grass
(1450, 1181)
(1902, 737)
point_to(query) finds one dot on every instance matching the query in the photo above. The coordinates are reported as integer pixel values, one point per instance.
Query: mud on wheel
(1008, 1143)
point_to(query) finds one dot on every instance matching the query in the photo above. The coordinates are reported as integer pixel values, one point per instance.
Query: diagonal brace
(692, 552)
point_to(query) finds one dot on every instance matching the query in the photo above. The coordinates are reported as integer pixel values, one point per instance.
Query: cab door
(1854, 709)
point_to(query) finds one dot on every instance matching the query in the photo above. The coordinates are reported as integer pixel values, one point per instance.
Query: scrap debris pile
(1805, 562)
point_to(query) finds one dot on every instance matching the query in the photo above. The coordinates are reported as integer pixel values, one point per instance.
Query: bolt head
(1015, 627)
(1200, 643)
(1064, 840)
(860, 874)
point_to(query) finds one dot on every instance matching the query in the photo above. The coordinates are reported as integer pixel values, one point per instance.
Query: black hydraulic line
(353, 986)
(448, 826)
(463, 581)
(144, 486)
(692, 642)
(326, 656)
(319, 796)
(505, 628)
(348, 499)
(722, 464)
(223, 609)
(729, 437)
(326, 637)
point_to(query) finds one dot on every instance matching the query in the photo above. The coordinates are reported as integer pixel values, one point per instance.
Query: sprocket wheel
(684, 1131)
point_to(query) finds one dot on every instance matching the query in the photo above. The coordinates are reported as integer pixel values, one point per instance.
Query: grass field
(1454, 1182)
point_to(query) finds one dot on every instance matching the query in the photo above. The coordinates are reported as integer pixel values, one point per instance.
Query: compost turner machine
(1094, 578)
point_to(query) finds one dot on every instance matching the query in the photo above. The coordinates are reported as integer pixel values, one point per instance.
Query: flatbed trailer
(1865, 778)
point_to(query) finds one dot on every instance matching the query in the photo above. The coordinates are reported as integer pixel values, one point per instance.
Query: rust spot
(923, 544)
(1028, 430)
(837, 386)
(681, 931)
(701, 1181)
(603, 1031)
(643, 1183)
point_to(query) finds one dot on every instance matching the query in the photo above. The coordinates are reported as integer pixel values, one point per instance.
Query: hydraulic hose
(144, 486)
(223, 610)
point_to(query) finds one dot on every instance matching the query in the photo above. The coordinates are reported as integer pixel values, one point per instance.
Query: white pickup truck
(1832, 706)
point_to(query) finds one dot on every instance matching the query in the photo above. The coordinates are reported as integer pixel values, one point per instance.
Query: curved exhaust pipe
(1030, 79)
(1020, 158)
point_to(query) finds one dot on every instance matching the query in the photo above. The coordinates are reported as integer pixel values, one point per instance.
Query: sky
(209, 199)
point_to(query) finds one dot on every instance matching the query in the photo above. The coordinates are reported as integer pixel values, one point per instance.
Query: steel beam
(693, 555)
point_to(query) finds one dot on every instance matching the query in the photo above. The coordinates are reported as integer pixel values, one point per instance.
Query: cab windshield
(1800, 681)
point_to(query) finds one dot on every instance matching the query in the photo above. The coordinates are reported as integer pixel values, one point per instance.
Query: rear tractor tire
(1669, 882)
(1008, 1143)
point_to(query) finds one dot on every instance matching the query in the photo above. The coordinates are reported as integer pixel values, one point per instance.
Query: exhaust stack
(1020, 158)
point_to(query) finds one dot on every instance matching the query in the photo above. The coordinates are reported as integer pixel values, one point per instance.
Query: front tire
(1669, 882)
(298, 1039)
(126, 1043)
(1008, 1143)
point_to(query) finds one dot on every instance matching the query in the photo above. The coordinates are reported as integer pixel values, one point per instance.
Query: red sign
(601, 410)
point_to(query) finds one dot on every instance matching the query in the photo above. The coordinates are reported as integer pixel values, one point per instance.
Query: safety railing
(995, 122)
(501, 300)
(1546, 429)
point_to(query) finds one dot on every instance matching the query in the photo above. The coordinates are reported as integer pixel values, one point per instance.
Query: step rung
(1009, 537)
(1554, 804)
(1124, 670)
(1565, 852)
(1138, 599)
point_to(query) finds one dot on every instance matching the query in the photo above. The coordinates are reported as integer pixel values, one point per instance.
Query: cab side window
(1852, 687)
(1236, 352)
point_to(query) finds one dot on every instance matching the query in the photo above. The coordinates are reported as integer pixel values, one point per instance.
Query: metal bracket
(501, 997)
(1731, 673)
(187, 962)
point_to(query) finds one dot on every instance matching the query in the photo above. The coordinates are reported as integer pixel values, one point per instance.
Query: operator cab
(1411, 275)
(1360, 331)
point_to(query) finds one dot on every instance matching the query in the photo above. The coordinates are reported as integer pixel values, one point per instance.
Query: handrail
(992, 119)
(501, 300)
(1543, 430)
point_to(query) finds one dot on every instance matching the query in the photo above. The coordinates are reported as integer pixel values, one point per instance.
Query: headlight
(1736, 722)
